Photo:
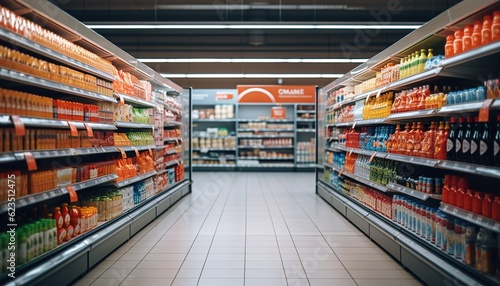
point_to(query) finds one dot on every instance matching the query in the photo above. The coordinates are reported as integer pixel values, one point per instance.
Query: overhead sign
(223, 96)
(276, 94)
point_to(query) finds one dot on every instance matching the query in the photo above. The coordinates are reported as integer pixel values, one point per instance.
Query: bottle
(486, 31)
(496, 144)
(74, 220)
(463, 185)
(58, 217)
(450, 236)
(495, 27)
(430, 54)
(467, 38)
(421, 60)
(441, 138)
(448, 48)
(418, 137)
(495, 209)
(22, 250)
(488, 253)
(470, 245)
(410, 140)
(452, 199)
(428, 142)
(445, 196)
(476, 34)
(475, 143)
(466, 141)
(486, 205)
(479, 242)
(457, 43)
(450, 143)
(65, 215)
(477, 202)
(459, 243)
(458, 142)
(485, 150)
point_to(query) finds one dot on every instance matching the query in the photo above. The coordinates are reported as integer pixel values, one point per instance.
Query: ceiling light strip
(251, 26)
(252, 75)
(250, 60)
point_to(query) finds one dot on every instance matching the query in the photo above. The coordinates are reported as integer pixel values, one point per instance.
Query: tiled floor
(249, 229)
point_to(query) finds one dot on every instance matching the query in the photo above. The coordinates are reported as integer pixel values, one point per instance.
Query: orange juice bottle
(448, 47)
(467, 38)
(495, 27)
(486, 31)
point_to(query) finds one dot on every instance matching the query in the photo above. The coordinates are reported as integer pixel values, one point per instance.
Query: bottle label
(449, 145)
(483, 147)
(465, 146)
(473, 147)
(458, 146)
(496, 148)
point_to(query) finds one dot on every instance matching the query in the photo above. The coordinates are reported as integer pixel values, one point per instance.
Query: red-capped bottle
(486, 205)
(58, 217)
(462, 188)
(468, 198)
(75, 220)
(477, 203)
(486, 31)
(65, 215)
(457, 43)
(445, 196)
(467, 38)
(452, 200)
(495, 27)
(476, 34)
(449, 51)
(495, 209)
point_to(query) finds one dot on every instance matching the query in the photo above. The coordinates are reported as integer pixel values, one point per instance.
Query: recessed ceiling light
(252, 75)
(251, 60)
(253, 26)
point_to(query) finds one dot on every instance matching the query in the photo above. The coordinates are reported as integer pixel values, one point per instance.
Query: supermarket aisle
(250, 229)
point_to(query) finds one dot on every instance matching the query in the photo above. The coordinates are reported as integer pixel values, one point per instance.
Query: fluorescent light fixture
(251, 26)
(209, 75)
(250, 60)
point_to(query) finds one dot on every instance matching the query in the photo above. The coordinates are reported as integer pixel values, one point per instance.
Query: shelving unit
(420, 256)
(81, 253)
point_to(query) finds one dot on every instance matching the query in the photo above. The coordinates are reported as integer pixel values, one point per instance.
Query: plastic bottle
(485, 144)
(462, 188)
(486, 30)
(22, 251)
(467, 38)
(475, 143)
(75, 217)
(476, 34)
(452, 200)
(445, 196)
(58, 217)
(488, 253)
(450, 236)
(467, 141)
(496, 143)
(468, 199)
(495, 27)
(458, 141)
(477, 202)
(422, 59)
(458, 239)
(486, 205)
(65, 214)
(495, 208)
(448, 48)
(441, 140)
(457, 43)
(470, 245)
(450, 142)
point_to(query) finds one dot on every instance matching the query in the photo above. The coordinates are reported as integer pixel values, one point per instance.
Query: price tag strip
(73, 196)
(73, 130)
(19, 128)
(124, 155)
(30, 161)
(90, 132)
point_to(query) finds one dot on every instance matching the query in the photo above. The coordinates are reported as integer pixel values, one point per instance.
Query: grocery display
(78, 143)
(409, 147)
(234, 135)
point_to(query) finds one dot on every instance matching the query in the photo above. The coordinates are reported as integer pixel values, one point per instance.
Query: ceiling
(251, 43)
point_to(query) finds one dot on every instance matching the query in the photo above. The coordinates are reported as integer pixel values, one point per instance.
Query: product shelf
(172, 124)
(265, 147)
(452, 110)
(471, 55)
(243, 165)
(306, 111)
(215, 137)
(411, 192)
(134, 101)
(139, 148)
(264, 130)
(57, 192)
(266, 136)
(214, 120)
(306, 120)
(267, 120)
(204, 150)
(476, 219)
(487, 171)
(417, 114)
(55, 123)
(172, 151)
(172, 139)
(305, 130)
(133, 125)
(212, 158)
(266, 158)
(359, 123)
(57, 153)
(30, 80)
(364, 181)
(168, 107)
(28, 44)
(215, 165)
(133, 180)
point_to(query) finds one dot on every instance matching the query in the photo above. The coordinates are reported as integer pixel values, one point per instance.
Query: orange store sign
(276, 93)
(223, 96)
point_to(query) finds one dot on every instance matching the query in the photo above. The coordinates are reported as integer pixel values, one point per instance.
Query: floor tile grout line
(215, 234)
(291, 236)
(341, 262)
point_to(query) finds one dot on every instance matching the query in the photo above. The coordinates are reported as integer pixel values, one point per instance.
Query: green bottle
(22, 248)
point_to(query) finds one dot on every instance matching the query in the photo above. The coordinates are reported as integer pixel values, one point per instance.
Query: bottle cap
(459, 33)
(450, 38)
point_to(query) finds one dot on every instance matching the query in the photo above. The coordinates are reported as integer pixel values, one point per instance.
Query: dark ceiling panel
(241, 43)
